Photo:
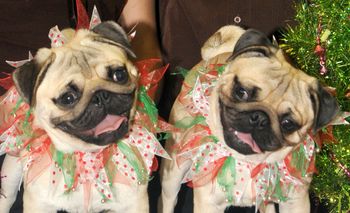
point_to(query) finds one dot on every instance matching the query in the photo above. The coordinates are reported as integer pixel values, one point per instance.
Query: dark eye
(241, 94)
(288, 126)
(67, 99)
(118, 75)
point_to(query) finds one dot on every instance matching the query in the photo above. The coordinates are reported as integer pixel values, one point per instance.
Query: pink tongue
(247, 138)
(110, 123)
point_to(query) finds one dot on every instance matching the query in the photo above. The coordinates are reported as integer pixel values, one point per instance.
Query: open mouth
(109, 124)
(108, 130)
(241, 142)
(247, 139)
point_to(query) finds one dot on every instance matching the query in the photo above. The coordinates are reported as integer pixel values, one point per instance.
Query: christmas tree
(320, 45)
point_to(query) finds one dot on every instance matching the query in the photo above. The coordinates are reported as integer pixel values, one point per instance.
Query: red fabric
(209, 173)
(165, 126)
(42, 162)
(151, 72)
(257, 169)
(83, 18)
(6, 82)
(325, 136)
(155, 164)
(291, 169)
(312, 166)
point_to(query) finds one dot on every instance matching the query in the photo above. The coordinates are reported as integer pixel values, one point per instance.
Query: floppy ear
(115, 34)
(254, 42)
(27, 77)
(24, 78)
(325, 107)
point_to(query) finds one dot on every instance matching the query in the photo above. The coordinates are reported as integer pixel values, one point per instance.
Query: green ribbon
(278, 193)
(27, 129)
(18, 104)
(227, 177)
(148, 105)
(180, 71)
(189, 122)
(213, 138)
(141, 174)
(298, 160)
(221, 69)
(67, 163)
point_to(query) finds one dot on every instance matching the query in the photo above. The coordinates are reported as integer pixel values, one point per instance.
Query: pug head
(84, 91)
(265, 103)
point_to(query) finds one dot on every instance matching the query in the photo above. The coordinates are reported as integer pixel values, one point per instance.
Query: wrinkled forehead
(91, 52)
(256, 72)
(267, 72)
(86, 59)
(291, 96)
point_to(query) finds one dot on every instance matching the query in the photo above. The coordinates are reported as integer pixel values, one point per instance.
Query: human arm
(141, 13)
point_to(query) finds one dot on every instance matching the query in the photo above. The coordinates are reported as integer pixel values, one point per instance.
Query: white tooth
(236, 132)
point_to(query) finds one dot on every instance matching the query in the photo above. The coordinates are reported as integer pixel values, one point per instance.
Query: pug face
(266, 103)
(84, 90)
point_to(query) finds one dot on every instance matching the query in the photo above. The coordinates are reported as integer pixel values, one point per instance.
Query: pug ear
(254, 43)
(325, 107)
(114, 33)
(27, 76)
(24, 78)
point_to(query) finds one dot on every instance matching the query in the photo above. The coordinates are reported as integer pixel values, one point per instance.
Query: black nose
(101, 98)
(259, 120)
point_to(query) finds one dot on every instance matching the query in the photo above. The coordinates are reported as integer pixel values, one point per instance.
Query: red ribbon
(258, 169)
(324, 136)
(150, 74)
(7, 81)
(296, 172)
(208, 174)
(83, 18)
(155, 165)
(41, 156)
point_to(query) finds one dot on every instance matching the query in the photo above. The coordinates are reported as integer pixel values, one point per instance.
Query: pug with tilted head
(261, 108)
(83, 95)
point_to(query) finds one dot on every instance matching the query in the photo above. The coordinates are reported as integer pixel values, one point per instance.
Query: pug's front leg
(11, 173)
(31, 204)
(171, 176)
(270, 208)
(298, 202)
(207, 199)
(130, 199)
